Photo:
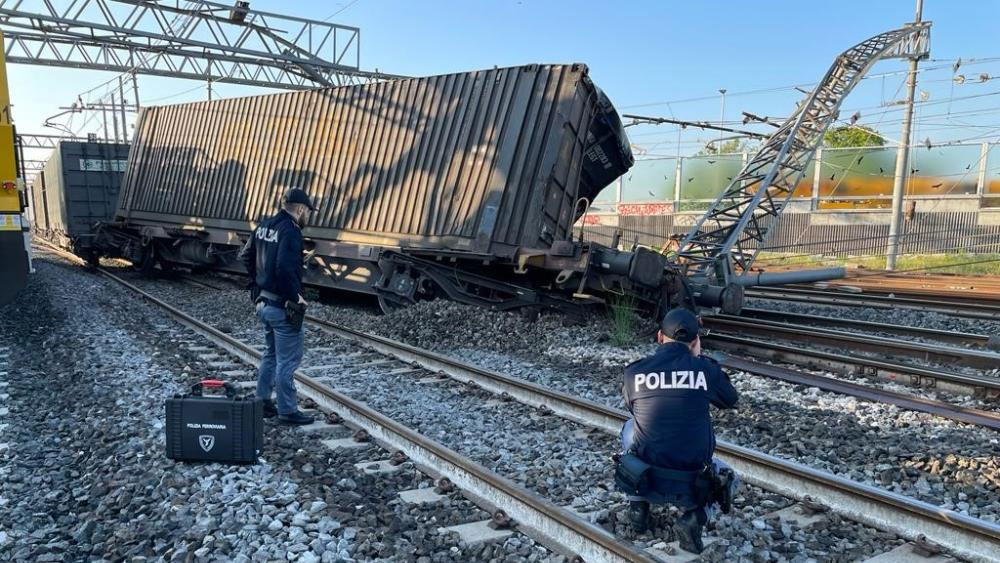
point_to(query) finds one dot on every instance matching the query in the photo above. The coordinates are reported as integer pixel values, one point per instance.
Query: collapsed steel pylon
(727, 238)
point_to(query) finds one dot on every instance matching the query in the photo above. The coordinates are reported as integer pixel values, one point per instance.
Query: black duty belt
(675, 474)
(634, 476)
(271, 298)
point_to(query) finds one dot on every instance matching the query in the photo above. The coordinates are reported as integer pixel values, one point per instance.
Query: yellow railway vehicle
(14, 258)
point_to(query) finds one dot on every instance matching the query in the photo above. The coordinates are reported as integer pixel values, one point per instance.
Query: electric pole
(135, 91)
(104, 119)
(722, 115)
(902, 160)
(121, 98)
(114, 116)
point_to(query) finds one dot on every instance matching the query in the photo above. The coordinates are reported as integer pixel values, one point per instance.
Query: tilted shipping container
(76, 189)
(482, 162)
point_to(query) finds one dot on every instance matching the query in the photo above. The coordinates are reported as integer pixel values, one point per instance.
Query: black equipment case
(225, 428)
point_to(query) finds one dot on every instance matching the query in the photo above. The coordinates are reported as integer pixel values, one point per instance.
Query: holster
(706, 486)
(724, 489)
(632, 475)
(295, 313)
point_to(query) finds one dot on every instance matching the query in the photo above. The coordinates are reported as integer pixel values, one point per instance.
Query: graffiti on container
(645, 208)
(592, 219)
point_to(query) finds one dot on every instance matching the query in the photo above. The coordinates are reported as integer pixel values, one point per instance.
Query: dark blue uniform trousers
(676, 493)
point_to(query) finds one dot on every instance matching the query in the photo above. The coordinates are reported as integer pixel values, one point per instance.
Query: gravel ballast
(85, 477)
(561, 472)
(950, 464)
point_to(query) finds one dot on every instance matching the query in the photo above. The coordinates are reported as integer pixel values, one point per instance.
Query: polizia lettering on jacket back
(267, 235)
(684, 379)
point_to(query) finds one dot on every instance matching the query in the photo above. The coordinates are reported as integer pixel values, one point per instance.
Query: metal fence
(840, 207)
(841, 178)
(924, 233)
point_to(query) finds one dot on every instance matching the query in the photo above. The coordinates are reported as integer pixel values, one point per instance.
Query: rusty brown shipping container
(488, 163)
(463, 186)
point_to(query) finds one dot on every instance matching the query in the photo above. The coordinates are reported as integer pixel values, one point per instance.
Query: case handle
(229, 388)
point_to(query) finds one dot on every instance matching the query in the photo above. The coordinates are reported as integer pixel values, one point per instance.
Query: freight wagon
(462, 185)
(76, 190)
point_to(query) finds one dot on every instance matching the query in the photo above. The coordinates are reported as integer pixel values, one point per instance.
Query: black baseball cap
(298, 195)
(680, 325)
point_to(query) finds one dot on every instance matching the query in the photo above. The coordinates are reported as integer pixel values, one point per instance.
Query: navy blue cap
(298, 195)
(680, 325)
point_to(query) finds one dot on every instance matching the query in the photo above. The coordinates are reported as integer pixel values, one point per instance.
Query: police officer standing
(273, 259)
(668, 395)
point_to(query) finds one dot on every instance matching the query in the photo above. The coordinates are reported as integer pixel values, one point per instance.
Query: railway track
(980, 386)
(979, 289)
(979, 417)
(970, 340)
(949, 306)
(923, 351)
(855, 500)
(537, 517)
(967, 537)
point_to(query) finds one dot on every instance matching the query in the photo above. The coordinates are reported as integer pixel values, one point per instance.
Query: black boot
(638, 515)
(298, 418)
(270, 410)
(687, 528)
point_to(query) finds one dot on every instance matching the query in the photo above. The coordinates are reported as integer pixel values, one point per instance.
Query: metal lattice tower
(199, 40)
(729, 235)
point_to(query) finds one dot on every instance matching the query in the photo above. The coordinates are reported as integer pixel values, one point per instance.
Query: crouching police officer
(273, 259)
(668, 442)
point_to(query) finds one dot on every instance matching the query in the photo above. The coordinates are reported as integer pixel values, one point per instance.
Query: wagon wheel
(92, 258)
(146, 260)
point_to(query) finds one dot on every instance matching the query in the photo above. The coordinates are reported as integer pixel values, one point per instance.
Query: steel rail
(953, 337)
(968, 537)
(970, 310)
(977, 385)
(575, 408)
(944, 355)
(555, 525)
(592, 413)
(756, 467)
(988, 419)
(985, 293)
(964, 536)
(919, 294)
(941, 296)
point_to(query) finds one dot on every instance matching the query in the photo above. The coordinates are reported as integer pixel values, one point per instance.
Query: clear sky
(643, 54)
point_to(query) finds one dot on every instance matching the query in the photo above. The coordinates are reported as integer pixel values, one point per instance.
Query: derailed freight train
(464, 186)
(75, 191)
